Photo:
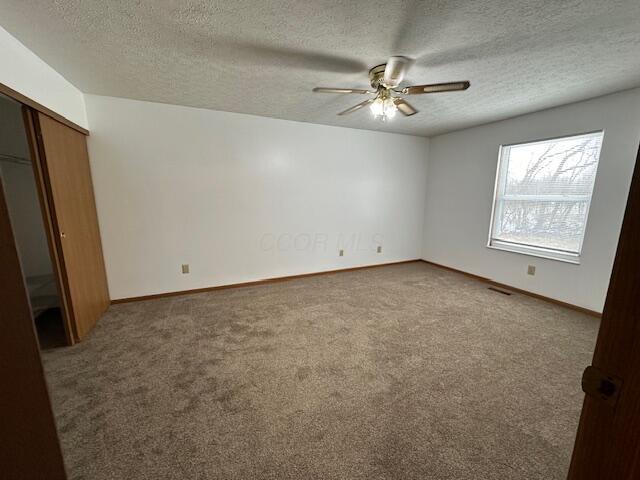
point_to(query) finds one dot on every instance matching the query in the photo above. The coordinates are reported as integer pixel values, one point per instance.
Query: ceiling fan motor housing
(376, 75)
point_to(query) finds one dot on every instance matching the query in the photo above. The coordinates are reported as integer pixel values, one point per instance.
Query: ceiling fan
(385, 80)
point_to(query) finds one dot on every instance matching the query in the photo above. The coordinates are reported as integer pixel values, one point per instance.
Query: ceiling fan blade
(395, 70)
(405, 107)
(436, 88)
(339, 90)
(357, 107)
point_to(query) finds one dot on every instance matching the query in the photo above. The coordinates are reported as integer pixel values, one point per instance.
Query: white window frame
(533, 250)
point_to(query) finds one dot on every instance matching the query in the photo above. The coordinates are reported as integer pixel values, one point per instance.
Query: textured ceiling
(264, 57)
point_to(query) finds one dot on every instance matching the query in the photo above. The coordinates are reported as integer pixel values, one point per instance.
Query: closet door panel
(29, 447)
(65, 159)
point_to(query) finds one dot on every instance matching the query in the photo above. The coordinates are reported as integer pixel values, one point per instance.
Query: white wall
(462, 168)
(218, 190)
(25, 72)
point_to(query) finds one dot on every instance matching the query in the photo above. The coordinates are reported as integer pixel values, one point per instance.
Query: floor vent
(495, 289)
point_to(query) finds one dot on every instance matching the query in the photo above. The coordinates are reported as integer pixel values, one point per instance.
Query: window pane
(555, 225)
(543, 192)
(561, 167)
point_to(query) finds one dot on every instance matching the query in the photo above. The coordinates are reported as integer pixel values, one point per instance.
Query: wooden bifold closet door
(64, 164)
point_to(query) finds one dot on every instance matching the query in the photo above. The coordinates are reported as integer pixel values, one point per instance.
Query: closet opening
(20, 179)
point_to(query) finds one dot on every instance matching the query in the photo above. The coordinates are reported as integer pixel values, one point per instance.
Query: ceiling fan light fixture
(383, 108)
(385, 80)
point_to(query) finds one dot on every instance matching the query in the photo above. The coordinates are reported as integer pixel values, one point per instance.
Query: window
(542, 196)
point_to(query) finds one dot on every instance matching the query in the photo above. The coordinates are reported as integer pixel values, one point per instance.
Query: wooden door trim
(47, 207)
(10, 92)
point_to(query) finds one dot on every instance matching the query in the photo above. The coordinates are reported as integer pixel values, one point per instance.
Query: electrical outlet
(185, 268)
(531, 270)
(342, 253)
(379, 248)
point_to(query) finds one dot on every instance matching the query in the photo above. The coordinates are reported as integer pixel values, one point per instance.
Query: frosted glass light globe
(377, 107)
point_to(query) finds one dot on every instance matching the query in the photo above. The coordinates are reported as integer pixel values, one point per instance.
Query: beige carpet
(399, 372)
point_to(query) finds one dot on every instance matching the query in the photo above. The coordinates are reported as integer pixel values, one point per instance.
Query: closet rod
(14, 159)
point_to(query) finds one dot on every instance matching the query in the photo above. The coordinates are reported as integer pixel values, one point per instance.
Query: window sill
(535, 252)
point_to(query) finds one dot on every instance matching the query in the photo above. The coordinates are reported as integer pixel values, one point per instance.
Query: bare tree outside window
(543, 193)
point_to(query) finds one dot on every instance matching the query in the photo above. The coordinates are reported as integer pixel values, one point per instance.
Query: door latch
(598, 384)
